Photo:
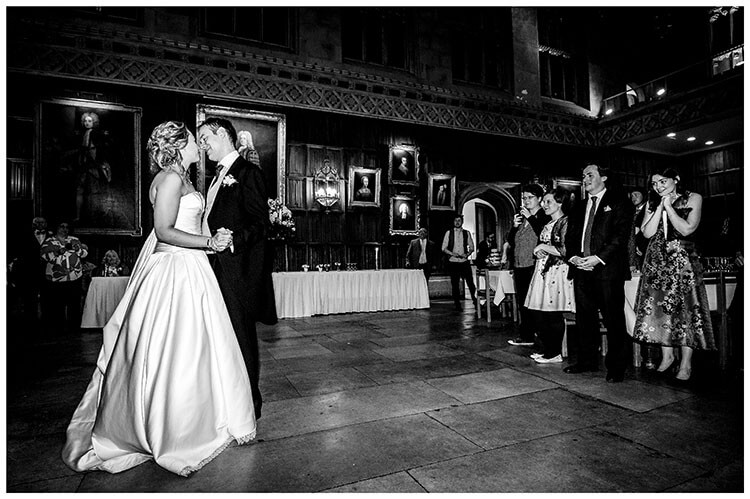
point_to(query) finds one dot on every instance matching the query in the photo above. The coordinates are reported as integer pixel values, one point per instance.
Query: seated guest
(61, 294)
(483, 250)
(112, 266)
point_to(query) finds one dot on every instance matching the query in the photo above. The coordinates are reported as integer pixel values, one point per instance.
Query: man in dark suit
(420, 254)
(237, 201)
(597, 246)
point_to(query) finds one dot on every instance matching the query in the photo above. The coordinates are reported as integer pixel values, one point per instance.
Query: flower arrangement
(282, 223)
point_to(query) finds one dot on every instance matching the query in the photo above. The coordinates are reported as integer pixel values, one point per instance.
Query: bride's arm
(166, 205)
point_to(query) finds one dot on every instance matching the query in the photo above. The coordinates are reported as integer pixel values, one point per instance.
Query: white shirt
(225, 164)
(598, 197)
(458, 242)
(423, 255)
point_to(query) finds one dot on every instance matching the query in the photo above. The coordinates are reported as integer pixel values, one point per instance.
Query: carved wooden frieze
(285, 88)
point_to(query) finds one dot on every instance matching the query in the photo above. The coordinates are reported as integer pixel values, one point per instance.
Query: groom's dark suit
(602, 288)
(244, 274)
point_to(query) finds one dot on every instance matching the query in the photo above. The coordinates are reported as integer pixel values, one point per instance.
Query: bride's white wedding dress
(170, 382)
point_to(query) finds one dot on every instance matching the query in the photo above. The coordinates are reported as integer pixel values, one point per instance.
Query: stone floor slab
(331, 380)
(286, 418)
(414, 352)
(530, 416)
(490, 385)
(631, 394)
(581, 461)
(400, 483)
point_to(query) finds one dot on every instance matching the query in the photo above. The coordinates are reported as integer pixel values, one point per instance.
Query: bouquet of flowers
(282, 223)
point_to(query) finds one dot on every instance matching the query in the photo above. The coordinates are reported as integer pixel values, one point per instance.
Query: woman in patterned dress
(551, 292)
(672, 307)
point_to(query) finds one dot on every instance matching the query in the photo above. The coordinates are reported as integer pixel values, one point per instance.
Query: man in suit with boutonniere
(237, 201)
(597, 247)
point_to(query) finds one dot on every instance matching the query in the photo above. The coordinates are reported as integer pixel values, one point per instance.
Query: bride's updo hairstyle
(165, 144)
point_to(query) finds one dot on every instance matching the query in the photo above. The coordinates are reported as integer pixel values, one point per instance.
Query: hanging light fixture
(327, 185)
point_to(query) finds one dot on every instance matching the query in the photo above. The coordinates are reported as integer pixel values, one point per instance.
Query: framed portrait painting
(403, 167)
(573, 187)
(261, 139)
(364, 186)
(87, 159)
(404, 215)
(441, 192)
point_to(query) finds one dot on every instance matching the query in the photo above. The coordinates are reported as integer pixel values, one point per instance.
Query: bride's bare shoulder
(164, 181)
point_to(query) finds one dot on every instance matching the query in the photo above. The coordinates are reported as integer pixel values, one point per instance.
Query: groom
(237, 201)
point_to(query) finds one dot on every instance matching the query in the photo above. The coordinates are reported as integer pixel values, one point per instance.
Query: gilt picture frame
(87, 163)
(268, 135)
(364, 186)
(403, 165)
(403, 215)
(441, 192)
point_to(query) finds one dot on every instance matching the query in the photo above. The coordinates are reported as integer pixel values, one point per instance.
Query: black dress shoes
(578, 368)
(615, 377)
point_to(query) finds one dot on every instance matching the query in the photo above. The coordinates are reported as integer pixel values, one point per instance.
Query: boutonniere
(607, 208)
(228, 180)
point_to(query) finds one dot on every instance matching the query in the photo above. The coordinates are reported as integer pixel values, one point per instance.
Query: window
(482, 46)
(375, 36)
(727, 27)
(266, 25)
(563, 67)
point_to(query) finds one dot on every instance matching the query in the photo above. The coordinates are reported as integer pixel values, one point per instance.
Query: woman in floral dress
(551, 292)
(672, 307)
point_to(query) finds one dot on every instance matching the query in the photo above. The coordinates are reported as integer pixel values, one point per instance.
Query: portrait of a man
(441, 191)
(403, 165)
(404, 215)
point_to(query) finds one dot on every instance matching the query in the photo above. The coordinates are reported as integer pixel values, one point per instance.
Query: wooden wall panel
(296, 193)
(297, 160)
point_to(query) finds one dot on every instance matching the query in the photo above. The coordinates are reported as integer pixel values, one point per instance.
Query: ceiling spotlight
(609, 111)
(671, 135)
(690, 139)
(709, 142)
(661, 91)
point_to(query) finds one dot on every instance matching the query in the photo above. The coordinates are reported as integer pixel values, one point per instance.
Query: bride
(170, 383)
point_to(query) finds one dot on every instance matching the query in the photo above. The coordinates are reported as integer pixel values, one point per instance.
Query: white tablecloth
(631, 291)
(502, 282)
(102, 299)
(303, 294)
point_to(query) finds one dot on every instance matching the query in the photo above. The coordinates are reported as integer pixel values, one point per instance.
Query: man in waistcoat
(458, 245)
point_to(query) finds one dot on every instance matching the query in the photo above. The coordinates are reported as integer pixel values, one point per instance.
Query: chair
(507, 307)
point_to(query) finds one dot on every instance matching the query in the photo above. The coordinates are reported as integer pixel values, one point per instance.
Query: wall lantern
(326, 185)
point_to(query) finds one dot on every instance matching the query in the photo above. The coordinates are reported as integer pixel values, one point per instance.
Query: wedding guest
(420, 254)
(458, 245)
(672, 306)
(597, 250)
(551, 292)
(112, 266)
(519, 253)
(483, 250)
(28, 268)
(61, 294)
(637, 242)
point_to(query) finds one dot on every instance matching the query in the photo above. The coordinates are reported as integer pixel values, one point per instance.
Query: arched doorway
(489, 207)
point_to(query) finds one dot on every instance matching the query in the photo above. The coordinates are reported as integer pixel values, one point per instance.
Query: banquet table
(102, 299)
(304, 294)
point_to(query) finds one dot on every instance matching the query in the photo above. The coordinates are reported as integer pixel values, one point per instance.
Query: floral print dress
(672, 306)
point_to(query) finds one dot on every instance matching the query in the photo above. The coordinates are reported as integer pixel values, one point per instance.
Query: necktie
(589, 225)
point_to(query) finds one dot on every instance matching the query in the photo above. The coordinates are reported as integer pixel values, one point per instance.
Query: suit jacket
(609, 236)
(29, 267)
(242, 207)
(415, 251)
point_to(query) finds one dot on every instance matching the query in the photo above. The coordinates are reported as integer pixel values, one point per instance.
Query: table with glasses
(102, 298)
(304, 294)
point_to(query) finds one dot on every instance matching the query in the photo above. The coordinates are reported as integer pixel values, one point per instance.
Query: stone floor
(413, 401)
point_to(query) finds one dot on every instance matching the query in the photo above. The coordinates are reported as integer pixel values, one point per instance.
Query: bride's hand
(221, 240)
